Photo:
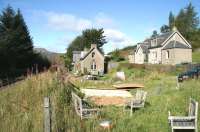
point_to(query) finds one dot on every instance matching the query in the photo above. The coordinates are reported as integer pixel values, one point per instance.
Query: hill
(123, 53)
(51, 56)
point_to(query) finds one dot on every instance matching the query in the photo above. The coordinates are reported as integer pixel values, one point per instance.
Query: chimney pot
(93, 46)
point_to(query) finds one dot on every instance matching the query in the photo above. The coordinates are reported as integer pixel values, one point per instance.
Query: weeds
(21, 105)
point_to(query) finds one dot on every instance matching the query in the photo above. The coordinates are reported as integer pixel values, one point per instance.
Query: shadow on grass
(184, 131)
(147, 104)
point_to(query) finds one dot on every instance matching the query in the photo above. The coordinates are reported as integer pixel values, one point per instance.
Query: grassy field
(162, 97)
(196, 56)
(21, 105)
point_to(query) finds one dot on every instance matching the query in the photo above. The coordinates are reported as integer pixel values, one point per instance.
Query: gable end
(169, 38)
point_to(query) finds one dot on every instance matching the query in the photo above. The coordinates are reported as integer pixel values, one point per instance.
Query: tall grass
(163, 96)
(195, 56)
(21, 105)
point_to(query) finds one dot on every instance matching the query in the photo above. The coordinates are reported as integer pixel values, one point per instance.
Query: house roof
(76, 52)
(87, 54)
(144, 48)
(176, 44)
(160, 39)
(146, 44)
(90, 52)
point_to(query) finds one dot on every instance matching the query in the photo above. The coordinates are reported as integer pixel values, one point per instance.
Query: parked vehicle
(193, 73)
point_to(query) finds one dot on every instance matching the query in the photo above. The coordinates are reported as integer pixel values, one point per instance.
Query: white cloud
(103, 20)
(117, 39)
(114, 35)
(67, 22)
(74, 24)
(70, 22)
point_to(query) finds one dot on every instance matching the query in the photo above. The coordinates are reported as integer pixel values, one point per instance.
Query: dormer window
(154, 42)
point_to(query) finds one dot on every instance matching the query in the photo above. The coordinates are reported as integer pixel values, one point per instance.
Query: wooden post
(47, 125)
(177, 83)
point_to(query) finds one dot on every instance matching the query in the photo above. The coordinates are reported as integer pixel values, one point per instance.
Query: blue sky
(53, 24)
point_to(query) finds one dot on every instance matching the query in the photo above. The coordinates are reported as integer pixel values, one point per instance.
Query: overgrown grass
(163, 96)
(196, 56)
(21, 105)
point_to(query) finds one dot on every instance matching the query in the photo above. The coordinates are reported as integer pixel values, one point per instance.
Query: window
(167, 54)
(154, 54)
(93, 65)
(93, 53)
(154, 42)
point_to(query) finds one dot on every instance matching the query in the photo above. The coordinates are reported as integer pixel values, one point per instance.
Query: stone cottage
(89, 61)
(168, 48)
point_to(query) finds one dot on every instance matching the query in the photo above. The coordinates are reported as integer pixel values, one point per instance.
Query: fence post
(47, 123)
(177, 83)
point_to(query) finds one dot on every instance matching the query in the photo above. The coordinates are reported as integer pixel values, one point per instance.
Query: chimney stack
(93, 46)
(174, 29)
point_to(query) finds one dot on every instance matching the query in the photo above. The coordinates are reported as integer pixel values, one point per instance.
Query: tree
(194, 39)
(6, 22)
(18, 43)
(16, 46)
(23, 42)
(88, 37)
(93, 36)
(164, 29)
(155, 33)
(187, 20)
(171, 21)
(180, 22)
(192, 19)
(115, 55)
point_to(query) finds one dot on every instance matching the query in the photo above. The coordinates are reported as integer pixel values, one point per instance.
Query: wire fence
(7, 82)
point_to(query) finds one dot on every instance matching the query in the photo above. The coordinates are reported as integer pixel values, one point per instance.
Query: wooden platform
(107, 97)
(106, 93)
(127, 86)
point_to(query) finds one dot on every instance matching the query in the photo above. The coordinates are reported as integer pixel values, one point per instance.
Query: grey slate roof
(145, 48)
(176, 44)
(90, 52)
(87, 54)
(76, 52)
(160, 38)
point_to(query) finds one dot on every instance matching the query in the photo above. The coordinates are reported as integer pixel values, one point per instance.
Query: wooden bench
(137, 102)
(185, 122)
(82, 108)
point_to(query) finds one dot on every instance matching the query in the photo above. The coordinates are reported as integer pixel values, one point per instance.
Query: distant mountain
(125, 51)
(52, 56)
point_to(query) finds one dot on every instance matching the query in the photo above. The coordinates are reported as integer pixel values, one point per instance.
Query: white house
(168, 48)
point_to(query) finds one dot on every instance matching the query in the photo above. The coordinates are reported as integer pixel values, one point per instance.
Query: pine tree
(6, 33)
(93, 36)
(187, 20)
(171, 20)
(155, 33)
(16, 46)
(164, 29)
(192, 20)
(24, 44)
(180, 22)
